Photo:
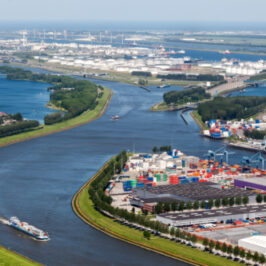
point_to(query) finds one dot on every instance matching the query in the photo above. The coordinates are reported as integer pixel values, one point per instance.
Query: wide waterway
(38, 178)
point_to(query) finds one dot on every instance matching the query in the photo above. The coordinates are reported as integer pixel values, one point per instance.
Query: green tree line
(231, 107)
(201, 77)
(185, 96)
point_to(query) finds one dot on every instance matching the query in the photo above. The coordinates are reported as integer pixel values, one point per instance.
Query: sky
(134, 10)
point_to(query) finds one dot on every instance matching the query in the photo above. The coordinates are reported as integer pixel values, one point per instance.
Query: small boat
(114, 118)
(181, 52)
(163, 86)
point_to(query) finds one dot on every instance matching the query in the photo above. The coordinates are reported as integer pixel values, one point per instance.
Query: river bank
(9, 257)
(84, 118)
(84, 208)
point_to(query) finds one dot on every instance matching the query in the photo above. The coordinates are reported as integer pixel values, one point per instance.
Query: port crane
(256, 159)
(221, 153)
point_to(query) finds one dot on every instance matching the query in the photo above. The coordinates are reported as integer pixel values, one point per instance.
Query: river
(38, 178)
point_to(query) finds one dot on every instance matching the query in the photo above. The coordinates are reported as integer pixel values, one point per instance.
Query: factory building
(251, 183)
(191, 192)
(254, 243)
(212, 216)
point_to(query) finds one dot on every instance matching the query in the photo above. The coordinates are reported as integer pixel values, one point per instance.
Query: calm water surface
(27, 97)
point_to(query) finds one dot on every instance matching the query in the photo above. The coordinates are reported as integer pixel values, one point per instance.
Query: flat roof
(255, 240)
(196, 191)
(213, 213)
(254, 180)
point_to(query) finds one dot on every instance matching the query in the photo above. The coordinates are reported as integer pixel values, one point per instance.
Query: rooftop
(254, 180)
(214, 213)
(195, 191)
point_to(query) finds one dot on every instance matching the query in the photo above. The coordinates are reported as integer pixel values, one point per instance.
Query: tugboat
(114, 118)
(28, 229)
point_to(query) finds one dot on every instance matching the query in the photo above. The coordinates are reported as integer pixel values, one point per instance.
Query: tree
(172, 231)
(189, 205)
(203, 204)
(217, 245)
(242, 253)
(236, 250)
(248, 255)
(211, 244)
(166, 207)
(181, 205)
(264, 198)
(196, 205)
(177, 232)
(259, 198)
(229, 249)
(224, 202)
(174, 206)
(224, 248)
(210, 203)
(154, 149)
(194, 239)
(158, 208)
(232, 201)
(147, 235)
(238, 200)
(256, 256)
(245, 200)
(205, 242)
(262, 259)
(217, 203)
(133, 210)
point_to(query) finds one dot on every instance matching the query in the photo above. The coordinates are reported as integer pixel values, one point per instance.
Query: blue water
(27, 97)
(252, 91)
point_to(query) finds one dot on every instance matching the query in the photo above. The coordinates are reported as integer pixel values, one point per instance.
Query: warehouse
(251, 183)
(254, 243)
(191, 192)
(212, 216)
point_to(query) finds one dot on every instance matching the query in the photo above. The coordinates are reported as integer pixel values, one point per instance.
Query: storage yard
(148, 180)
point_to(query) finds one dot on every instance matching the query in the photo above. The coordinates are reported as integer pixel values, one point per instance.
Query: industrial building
(211, 216)
(251, 183)
(191, 192)
(254, 243)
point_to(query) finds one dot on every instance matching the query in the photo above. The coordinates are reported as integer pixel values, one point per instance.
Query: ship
(28, 229)
(181, 52)
(114, 118)
(163, 86)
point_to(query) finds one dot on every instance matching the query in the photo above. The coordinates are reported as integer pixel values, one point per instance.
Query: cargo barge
(28, 229)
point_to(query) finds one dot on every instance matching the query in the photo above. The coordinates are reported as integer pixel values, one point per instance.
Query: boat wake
(4, 220)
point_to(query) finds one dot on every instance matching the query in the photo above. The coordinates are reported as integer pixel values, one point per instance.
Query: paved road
(232, 84)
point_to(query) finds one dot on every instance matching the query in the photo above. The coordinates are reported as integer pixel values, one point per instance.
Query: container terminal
(231, 199)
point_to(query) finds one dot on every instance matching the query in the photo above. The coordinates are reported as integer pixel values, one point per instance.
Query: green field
(74, 122)
(10, 258)
(84, 208)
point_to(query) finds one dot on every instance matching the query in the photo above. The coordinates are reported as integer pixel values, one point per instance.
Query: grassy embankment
(10, 258)
(84, 118)
(196, 116)
(84, 208)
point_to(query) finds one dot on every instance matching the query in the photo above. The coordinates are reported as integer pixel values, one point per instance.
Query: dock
(246, 146)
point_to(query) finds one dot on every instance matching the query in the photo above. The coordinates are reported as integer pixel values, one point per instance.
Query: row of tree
(155, 149)
(185, 96)
(182, 205)
(141, 73)
(201, 77)
(228, 108)
(18, 127)
(236, 251)
(255, 134)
